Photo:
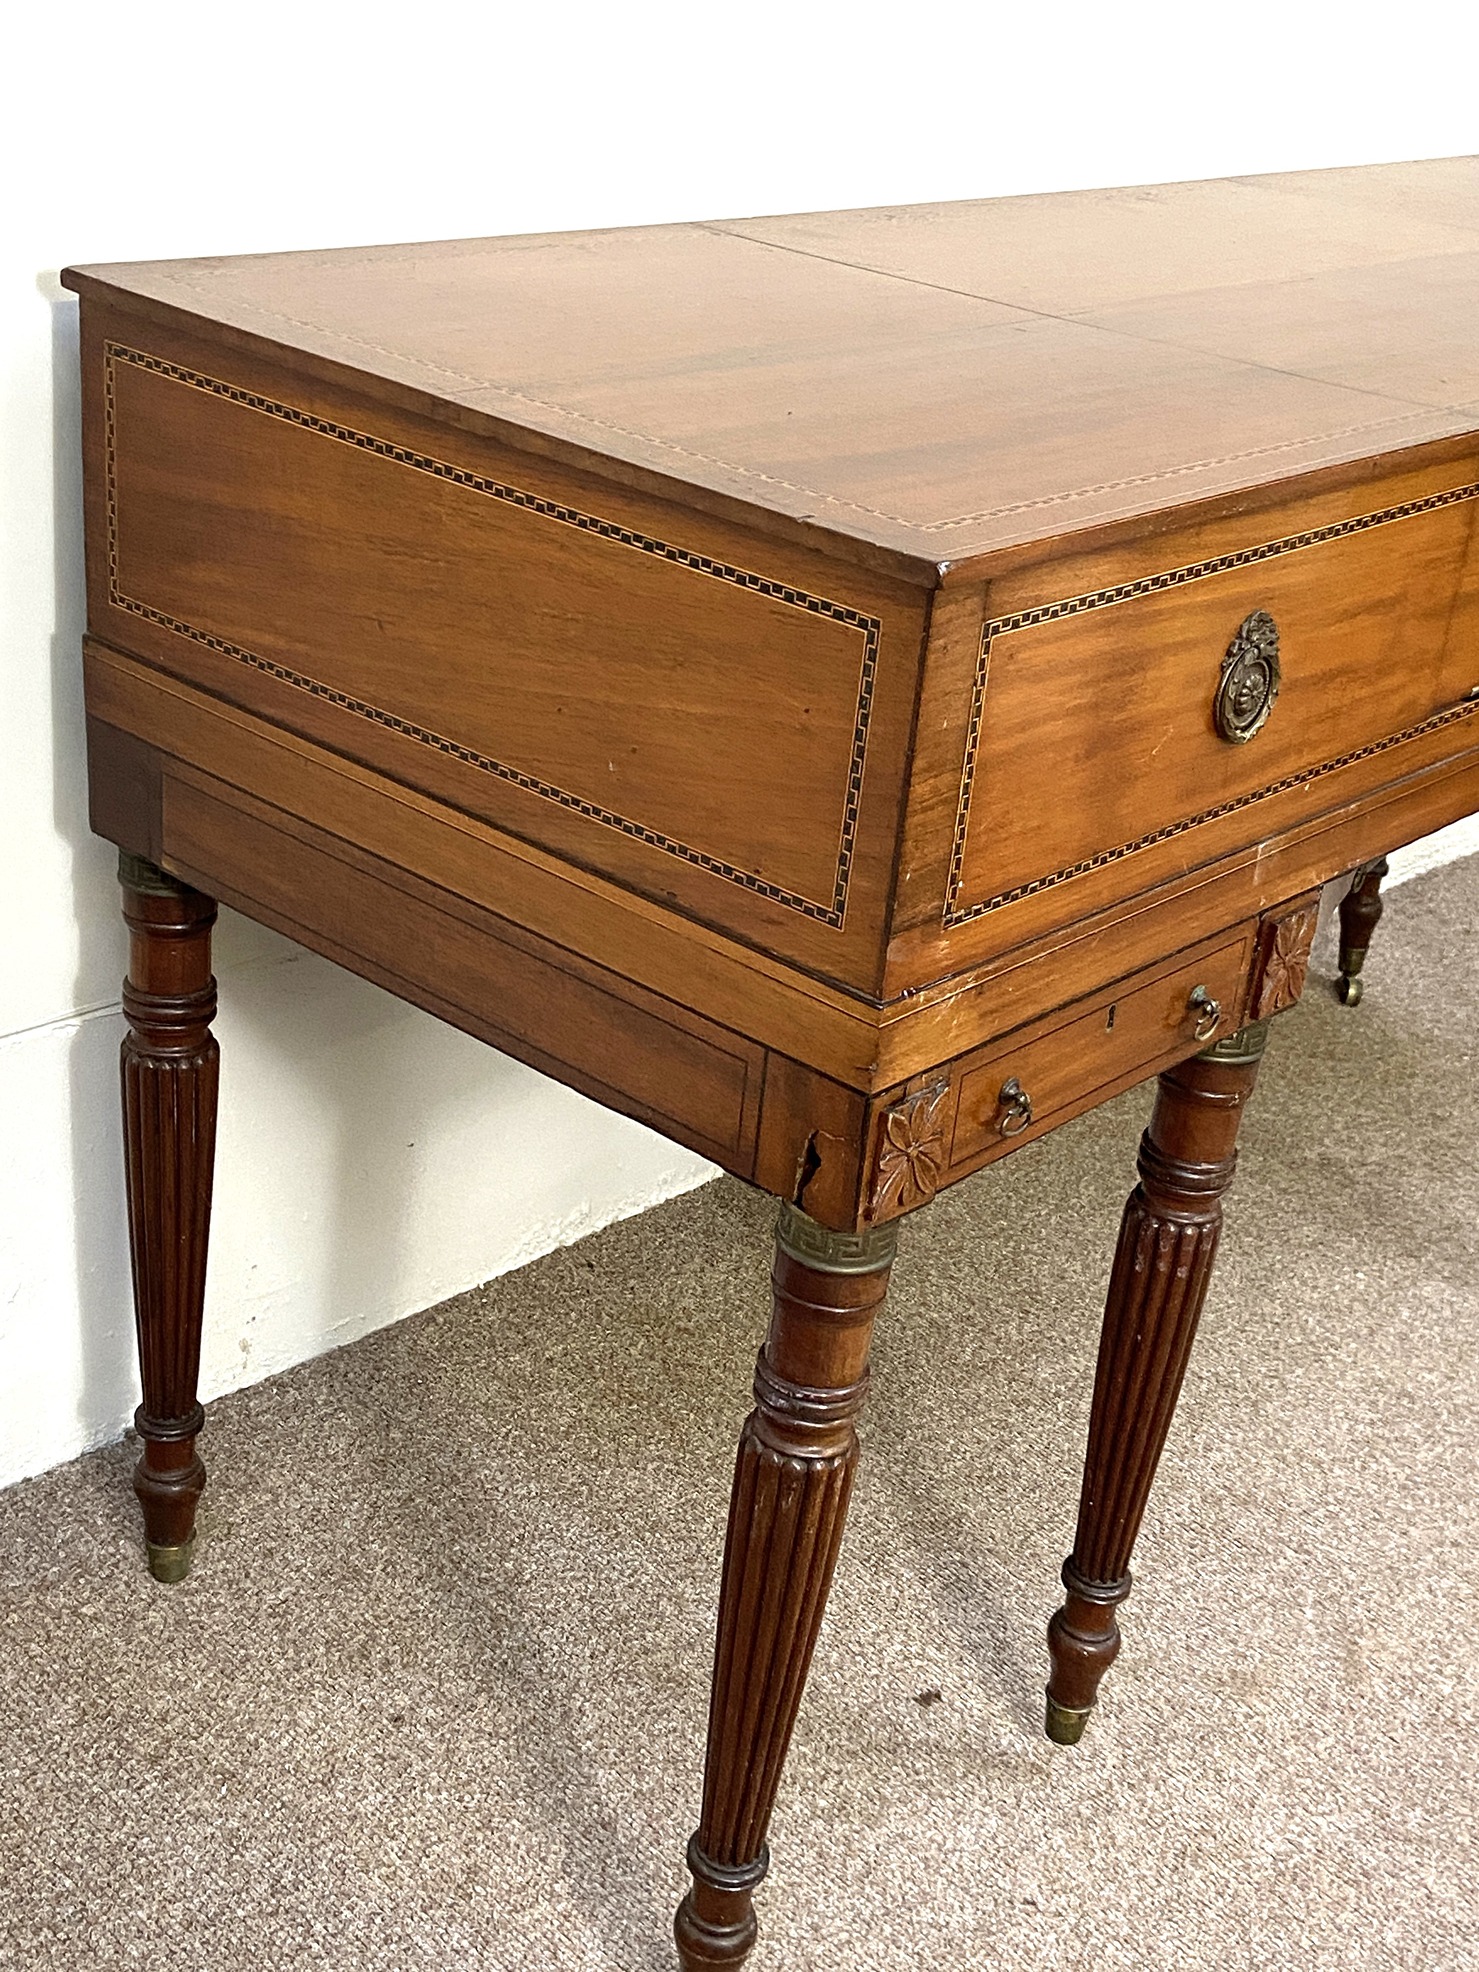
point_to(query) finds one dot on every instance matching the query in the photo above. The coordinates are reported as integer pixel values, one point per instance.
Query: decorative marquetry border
(829, 913)
(1147, 585)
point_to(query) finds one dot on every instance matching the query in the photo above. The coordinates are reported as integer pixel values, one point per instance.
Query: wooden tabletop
(936, 382)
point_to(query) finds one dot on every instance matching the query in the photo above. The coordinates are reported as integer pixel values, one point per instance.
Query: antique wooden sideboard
(851, 690)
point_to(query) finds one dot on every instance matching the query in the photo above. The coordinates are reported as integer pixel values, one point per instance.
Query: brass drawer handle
(1249, 684)
(1016, 1109)
(1206, 1013)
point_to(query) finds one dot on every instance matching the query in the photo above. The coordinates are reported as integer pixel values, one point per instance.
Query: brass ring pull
(1016, 1109)
(1206, 1013)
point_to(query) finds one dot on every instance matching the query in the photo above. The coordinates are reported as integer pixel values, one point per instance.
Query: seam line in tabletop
(1420, 414)
(831, 914)
(1146, 585)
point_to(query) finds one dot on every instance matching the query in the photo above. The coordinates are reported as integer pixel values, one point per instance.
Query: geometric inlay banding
(1146, 585)
(829, 911)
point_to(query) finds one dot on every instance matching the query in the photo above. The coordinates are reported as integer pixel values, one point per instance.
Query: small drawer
(1153, 1021)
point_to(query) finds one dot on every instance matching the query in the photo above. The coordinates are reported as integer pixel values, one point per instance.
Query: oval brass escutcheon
(1250, 679)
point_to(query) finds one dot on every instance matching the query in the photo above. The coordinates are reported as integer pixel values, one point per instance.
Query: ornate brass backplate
(1250, 679)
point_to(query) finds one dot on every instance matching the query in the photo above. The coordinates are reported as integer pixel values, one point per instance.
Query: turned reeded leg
(1360, 913)
(169, 1063)
(791, 1486)
(1167, 1242)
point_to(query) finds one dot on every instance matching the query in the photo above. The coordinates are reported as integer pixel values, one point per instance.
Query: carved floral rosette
(910, 1158)
(1287, 944)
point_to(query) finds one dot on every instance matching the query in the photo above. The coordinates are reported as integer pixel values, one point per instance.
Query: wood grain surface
(931, 381)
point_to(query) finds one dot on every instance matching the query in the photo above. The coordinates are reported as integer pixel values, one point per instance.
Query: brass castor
(1360, 913)
(1065, 1723)
(171, 1564)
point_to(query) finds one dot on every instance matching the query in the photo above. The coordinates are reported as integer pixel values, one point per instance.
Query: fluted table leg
(792, 1481)
(1360, 914)
(169, 1064)
(1161, 1270)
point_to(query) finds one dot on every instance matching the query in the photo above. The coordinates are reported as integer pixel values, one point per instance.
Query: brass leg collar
(136, 874)
(1247, 1044)
(829, 1252)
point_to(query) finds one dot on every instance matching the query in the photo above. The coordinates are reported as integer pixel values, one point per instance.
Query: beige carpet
(434, 1697)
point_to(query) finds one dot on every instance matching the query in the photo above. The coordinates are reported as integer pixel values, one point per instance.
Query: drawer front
(1094, 729)
(1000, 1096)
(1149, 1023)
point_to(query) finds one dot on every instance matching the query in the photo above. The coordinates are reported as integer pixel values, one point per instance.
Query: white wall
(370, 1160)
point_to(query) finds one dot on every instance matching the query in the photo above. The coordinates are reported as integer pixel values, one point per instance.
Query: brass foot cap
(1065, 1723)
(171, 1564)
(1348, 989)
